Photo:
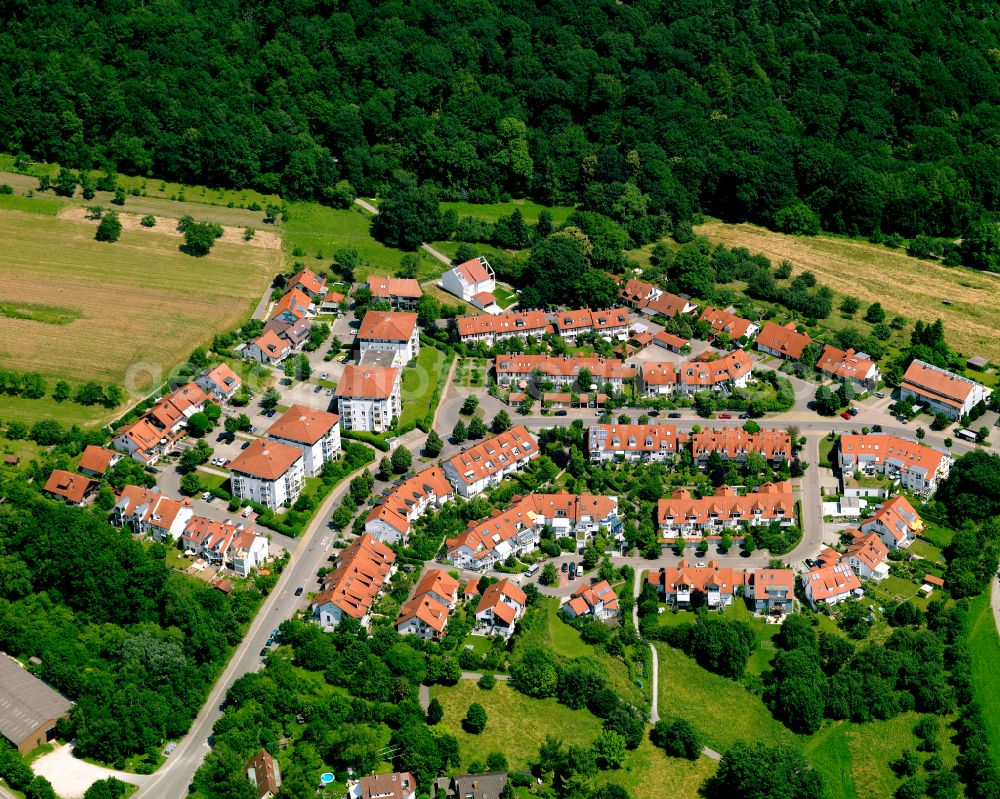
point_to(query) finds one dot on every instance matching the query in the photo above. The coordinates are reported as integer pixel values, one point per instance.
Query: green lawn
(826, 451)
(67, 413)
(491, 212)
(505, 297)
(648, 772)
(25, 450)
(896, 588)
(984, 645)
(319, 231)
(419, 383)
(467, 367)
(31, 205)
(925, 550)
(508, 729)
(938, 535)
(212, 480)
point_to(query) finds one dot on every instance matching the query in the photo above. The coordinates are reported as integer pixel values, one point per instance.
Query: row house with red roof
(360, 574)
(486, 464)
(309, 283)
(491, 328)
(646, 443)
(612, 323)
(519, 370)
(162, 426)
(736, 444)
(940, 390)
(724, 374)
(226, 543)
(426, 613)
(150, 512)
(390, 331)
(403, 294)
(725, 320)
(390, 519)
(220, 382)
(918, 468)
(682, 514)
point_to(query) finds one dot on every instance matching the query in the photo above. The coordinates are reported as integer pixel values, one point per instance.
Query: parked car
(673, 415)
(226, 462)
(329, 392)
(565, 567)
(725, 416)
(323, 376)
(317, 389)
(206, 496)
(853, 411)
(700, 564)
(560, 413)
(876, 428)
(845, 415)
(880, 395)
(744, 415)
(169, 750)
(298, 591)
(653, 413)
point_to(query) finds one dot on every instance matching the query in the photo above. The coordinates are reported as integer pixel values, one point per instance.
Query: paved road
(174, 777)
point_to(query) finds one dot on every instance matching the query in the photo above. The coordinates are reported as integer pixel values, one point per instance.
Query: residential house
(499, 608)
(471, 590)
(867, 554)
(75, 489)
(493, 328)
(220, 382)
(369, 397)
(390, 331)
(713, 586)
(578, 516)
(315, 432)
(598, 600)
(145, 442)
(264, 774)
(484, 465)
(268, 348)
(917, 467)
(488, 785)
(295, 333)
(725, 321)
(670, 342)
(95, 461)
(561, 370)
(771, 591)
(735, 444)
(725, 511)
(424, 617)
(831, 584)
(657, 379)
(148, 512)
(896, 523)
(293, 305)
(247, 551)
(849, 366)
(610, 324)
(389, 521)
(309, 283)
(634, 442)
(782, 340)
(398, 785)
(360, 573)
(401, 293)
(225, 544)
(940, 390)
(440, 585)
(636, 293)
(473, 281)
(663, 378)
(668, 305)
(269, 473)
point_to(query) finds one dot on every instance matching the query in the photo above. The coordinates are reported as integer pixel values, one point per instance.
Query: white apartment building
(369, 397)
(390, 331)
(269, 473)
(315, 432)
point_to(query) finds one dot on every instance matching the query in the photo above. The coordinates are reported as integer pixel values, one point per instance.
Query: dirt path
(425, 247)
(262, 239)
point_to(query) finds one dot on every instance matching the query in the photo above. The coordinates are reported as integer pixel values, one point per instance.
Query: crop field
(904, 285)
(78, 309)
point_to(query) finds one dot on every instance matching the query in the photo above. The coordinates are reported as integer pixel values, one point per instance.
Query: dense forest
(864, 116)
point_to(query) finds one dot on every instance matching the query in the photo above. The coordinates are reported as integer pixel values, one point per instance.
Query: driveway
(71, 777)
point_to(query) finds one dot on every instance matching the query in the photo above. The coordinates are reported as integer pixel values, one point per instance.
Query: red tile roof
(268, 460)
(493, 597)
(359, 574)
(295, 302)
(672, 341)
(396, 509)
(485, 298)
(773, 500)
(425, 608)
(634, 438)
(783, 339)
(367, 382)
(438, 581)
(846, 364)
(97, 459)
(494, 454)
(553, 366)
(723, 320)
(302, 424)
(308, 280)
(73, 487)
(473, 271)
(270, 343)
(937, 384)
(388, 326)
(882, 448)
(828, 581)
(224, 377)
(521, 323)
(388, 287)
(694, 578)
(730, 442)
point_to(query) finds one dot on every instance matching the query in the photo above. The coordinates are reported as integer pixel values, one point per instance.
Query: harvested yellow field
(128, 312)
(903, 285)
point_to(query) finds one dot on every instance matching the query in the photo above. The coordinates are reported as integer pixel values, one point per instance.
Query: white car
(700, 564)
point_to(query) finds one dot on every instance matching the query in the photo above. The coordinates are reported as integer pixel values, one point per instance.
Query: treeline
(857, 118)
(134, 646)
(32, 385)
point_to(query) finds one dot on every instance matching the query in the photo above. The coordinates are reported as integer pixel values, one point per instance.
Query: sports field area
(909, 286)
(128, 312)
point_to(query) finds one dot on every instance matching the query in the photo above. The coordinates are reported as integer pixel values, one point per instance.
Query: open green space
(984, 646)
(419, 383)
(66, 413)
(517, 724)
(648, 772)
(827, 452)
(926, 551)
(319, 231)
(171, 302)
(939, 535)
(471, 372)
(43, 206)
(505, 297)
(491, 212)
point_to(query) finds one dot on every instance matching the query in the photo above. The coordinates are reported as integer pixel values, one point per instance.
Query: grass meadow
(128, 312)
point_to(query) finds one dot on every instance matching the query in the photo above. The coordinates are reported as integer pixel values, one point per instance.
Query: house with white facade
(361, 573)
(612, 323)
(783, 341)
(268, 347)
(225, 544)
(401, 293)
(499, 608)
(647, 443)
(723, 375)
(315, 432)
(491, 328)
(389, 521)
(390, 331)
(849, 366)
(424, 617)
(220, 382)
(725, 321)
(473, 281)
(269, 473)
(440, 585)
(918, 468)
(369, 397)
(309, 283)
(736, 444)
(867, 554)
(293, 306)
(896, 523)
(685, 585)
(681, 514)
(598, 600)
(831, 584)
(148, 512)
(485, 464)
(940, 390)
(559, 370)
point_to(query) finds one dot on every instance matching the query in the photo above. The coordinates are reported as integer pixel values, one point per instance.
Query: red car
(846, 415)
(725, 416)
